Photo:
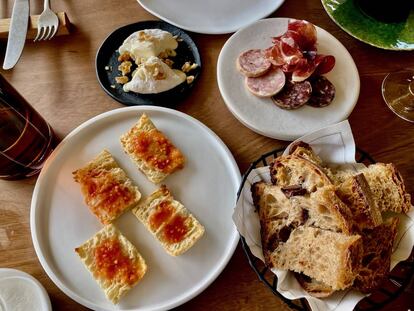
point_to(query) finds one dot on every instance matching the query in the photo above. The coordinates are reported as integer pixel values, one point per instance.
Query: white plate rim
(9, 272)
(206, 31)
(280, 136)
(233, 241)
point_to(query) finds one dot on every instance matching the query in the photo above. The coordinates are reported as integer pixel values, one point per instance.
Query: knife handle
(64, 26)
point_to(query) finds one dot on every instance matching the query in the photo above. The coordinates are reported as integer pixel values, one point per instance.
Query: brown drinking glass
(26, 139)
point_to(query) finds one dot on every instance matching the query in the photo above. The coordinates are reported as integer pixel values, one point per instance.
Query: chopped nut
(125, 67)
(107, 68)
(187, 66)
(124, 57)
(121, 80)
(190, 79)
(177, 38)
(112, 86)
(168, 61)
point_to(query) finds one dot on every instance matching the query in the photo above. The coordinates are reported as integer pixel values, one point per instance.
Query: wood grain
(58, 78)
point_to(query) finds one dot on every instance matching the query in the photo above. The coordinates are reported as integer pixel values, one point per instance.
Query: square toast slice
(113, 261)
(152, 152)
(169, 222)
(107, 190)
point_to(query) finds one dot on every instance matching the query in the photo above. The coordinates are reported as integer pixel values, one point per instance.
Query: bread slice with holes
(281, 211)
(107, 190)
(169, 221)
(152, 152)
(329, 257)
(113, 261)
(355, 192)
(376, 260)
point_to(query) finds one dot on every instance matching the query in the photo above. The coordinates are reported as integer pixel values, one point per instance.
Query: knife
(17, 33)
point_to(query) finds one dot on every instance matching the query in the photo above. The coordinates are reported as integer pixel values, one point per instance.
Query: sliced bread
(107, 190)
(280, 212)
(375, 265)
(355, 192)
(329, 257)
(152, 152)
(169, 221)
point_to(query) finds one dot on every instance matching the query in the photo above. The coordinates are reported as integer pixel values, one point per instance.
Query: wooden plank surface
(58, 78)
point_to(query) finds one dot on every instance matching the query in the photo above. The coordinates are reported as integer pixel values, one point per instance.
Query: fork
(48, 23)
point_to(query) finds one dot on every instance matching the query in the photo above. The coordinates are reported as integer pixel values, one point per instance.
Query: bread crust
(118, 285)
(376, 260)
(161, 213)
(107, 190)
(171, 157)
(356, 194)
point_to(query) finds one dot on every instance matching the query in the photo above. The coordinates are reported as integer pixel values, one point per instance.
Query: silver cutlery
(17, 33)
(48, 23)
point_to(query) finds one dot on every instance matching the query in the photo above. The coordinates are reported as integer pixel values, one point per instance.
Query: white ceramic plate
(211, 16)
(207, 186)
(11, 279)
(260, 114)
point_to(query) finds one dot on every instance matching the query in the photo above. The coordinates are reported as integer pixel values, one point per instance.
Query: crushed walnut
(121, 80)
(124, 57)
(177, 38)
(125, 67)
(190, 79)
(142, 36)
(188, 66)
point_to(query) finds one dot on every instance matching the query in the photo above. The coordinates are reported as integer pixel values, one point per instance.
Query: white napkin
(335, 145)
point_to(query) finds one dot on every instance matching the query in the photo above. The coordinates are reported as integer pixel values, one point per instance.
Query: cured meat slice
(324, 64)
(312, 65)
(282, 53)
(253, 63)
(293, 95)
(268, 84)
(304, 34)
(323, 92)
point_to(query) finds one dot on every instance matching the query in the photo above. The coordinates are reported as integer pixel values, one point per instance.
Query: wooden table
(58, 78)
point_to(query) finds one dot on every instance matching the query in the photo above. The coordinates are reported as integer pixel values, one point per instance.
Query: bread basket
(397, 281)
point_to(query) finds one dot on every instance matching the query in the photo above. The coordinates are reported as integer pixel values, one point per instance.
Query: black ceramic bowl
(107, 56)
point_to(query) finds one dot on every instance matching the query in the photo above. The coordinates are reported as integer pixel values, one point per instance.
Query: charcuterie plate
(261, 114)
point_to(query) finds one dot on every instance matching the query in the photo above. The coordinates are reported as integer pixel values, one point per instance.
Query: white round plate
(261, 114)
(211, 16)
(37, 292)
(207, 186)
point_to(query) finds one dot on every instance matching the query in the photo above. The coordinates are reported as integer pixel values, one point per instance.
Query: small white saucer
(36, 292)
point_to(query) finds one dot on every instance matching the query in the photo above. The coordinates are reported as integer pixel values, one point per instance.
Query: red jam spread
(103, 192)
(162, 213)
(155, 149)
(111, 263)
(175, 230)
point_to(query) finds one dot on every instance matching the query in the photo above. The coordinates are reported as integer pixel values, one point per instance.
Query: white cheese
(148, 42)
(154, 76)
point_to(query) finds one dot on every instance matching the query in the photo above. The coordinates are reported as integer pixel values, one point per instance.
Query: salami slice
(323, 92)
(293, 95)
(253, 63)
(268, 84)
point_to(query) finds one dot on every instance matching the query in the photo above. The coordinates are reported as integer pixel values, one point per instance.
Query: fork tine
(39, 33)
(53, 32)
(46, 33)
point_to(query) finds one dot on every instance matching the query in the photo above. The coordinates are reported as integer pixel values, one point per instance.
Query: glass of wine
(398, 93)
